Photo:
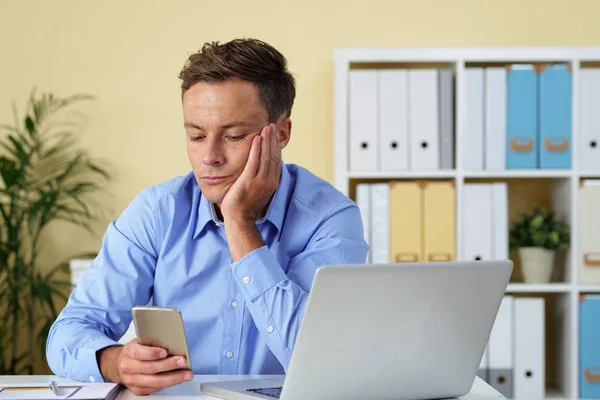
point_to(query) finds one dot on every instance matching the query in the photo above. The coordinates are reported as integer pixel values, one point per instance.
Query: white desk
(191, 389)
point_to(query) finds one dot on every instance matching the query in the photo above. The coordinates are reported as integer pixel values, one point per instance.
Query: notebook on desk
(382, 331)
(21, 387)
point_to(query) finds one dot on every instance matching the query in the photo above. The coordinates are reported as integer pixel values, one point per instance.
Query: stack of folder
(401, 119)
(518, 117)
(514, 360)
(410, 221)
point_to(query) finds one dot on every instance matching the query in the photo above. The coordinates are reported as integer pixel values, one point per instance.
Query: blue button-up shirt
(169, 246)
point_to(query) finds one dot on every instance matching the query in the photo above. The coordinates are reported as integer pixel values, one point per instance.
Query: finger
(265, 151)
(153, 367)
(275, 155)
(141, 391)
(251, 167)
(159, 381)
(147, 353)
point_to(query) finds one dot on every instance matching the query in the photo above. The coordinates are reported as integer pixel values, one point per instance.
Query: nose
(213, 154)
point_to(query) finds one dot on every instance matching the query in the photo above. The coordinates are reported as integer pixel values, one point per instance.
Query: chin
(213, 194)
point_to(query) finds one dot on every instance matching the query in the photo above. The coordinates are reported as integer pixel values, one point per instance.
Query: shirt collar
(275, 211)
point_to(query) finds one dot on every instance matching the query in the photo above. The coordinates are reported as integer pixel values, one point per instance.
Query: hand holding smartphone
(162, 327)
(158, 358)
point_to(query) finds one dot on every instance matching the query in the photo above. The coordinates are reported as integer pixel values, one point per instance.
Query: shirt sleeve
(277, 300)
(98, 312)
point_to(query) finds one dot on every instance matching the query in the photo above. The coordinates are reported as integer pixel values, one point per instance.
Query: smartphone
(161, 327)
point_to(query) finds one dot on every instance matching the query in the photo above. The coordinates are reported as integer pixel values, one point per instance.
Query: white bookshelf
(564, 184)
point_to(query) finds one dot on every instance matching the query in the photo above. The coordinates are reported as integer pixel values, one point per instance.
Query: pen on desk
(54, 387)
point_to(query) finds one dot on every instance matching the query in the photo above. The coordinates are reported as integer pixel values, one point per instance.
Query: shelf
(402, 174)
(556, 189)
(466, 54)
(530, 173)
(589, 174)
(554, 394)
(589, 288)
(533, 173)
(538, 288)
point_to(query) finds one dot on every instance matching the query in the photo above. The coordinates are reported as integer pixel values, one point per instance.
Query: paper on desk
(102, 390)
(35, 393)
(82, 391)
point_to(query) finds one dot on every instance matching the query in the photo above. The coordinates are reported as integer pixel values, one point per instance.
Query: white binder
(380, 223)
(495, 119)
(363, 120)
(529, 345)
(589, 142)
(589, 232)
(423, 119)
(393, 119)
(478, 221)
(363, 201)
(500, 349)
(446, 86)
(474, 137)
(500, 221)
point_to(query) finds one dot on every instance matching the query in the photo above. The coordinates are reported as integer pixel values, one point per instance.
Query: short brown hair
(248, 59)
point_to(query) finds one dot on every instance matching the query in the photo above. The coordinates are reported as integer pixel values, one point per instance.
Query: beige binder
(589, 232)
(406, 229)
(439, 221)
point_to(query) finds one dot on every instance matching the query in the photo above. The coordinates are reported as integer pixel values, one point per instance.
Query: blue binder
(522, 117)
(555, 117)
(589, 347)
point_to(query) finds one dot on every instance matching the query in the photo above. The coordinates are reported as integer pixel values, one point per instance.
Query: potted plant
(537, 236)
(44, 177)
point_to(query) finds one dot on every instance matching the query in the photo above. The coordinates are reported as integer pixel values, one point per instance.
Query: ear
(284, 131)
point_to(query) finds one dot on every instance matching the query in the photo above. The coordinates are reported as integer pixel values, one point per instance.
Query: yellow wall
(128, 54)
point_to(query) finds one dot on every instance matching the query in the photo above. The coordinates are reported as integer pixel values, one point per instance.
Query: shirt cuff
(86, 356)
(257, 272)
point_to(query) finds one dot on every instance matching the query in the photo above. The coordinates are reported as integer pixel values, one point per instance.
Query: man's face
(220, 120)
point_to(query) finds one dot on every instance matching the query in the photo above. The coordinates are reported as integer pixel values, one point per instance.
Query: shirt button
(234, 304)
(92, 379)
(229, 354)
(246, 279)
(269, 329)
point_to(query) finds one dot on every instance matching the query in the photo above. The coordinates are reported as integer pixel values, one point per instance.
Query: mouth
(213, 180)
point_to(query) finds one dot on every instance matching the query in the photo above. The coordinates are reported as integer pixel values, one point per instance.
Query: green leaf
(30, 126)
(8, 172)
(539, 228)
(45, 177)
(99, 170)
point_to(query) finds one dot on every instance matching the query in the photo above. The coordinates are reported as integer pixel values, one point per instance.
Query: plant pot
(537, 264)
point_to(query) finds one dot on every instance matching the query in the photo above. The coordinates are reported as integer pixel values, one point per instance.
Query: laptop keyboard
(271, 392)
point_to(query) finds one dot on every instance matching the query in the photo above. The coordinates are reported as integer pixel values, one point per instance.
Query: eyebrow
(222, 127)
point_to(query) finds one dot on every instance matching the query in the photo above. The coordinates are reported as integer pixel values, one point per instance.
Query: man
(234, 244)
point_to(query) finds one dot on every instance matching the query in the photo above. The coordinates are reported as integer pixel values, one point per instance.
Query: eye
(237, 138)
(197, 138)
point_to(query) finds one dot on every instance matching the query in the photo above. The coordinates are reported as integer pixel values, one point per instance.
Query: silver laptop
(387, 331)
